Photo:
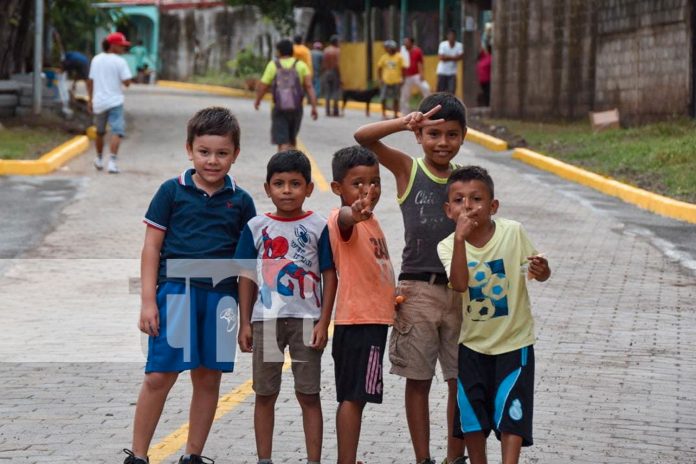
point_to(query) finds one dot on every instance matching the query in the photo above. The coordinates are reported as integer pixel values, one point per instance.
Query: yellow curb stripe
(216, 89)
(49, 162)
(317, 176)
(642, 198)
(490, 142)
(177, 439)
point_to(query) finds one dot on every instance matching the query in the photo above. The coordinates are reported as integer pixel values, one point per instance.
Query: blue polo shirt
(198, 225)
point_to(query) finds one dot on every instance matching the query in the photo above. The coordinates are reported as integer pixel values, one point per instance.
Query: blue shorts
(200, 330)
(495, 392)
(114, 116)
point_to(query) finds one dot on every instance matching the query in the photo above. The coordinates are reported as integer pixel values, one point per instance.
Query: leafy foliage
(75, 21)
(279, 12)
(247, 64)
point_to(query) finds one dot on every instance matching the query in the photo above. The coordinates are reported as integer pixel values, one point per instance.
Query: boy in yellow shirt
(390, 71)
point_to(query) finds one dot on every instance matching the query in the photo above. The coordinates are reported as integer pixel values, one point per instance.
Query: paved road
(616, 361)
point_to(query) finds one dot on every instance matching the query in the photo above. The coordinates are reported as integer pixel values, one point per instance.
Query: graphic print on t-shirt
(488, 290)
(280, 269)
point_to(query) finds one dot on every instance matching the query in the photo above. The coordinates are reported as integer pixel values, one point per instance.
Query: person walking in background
(76, 65)
(449, 52)
(331, 76)
(286, 77)
(317, 58)
(108, 74)
(390, 72)
(413, 74)
(302, 53)
(483, 71)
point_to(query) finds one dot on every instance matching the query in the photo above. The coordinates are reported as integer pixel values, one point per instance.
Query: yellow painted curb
(49, 162)
(642, 198)
(488, 141)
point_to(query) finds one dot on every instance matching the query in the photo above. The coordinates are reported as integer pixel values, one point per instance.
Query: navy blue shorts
(495, 392)
(358, 352)
(200, 330)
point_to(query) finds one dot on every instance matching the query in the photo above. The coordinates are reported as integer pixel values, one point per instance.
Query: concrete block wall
(563, 58)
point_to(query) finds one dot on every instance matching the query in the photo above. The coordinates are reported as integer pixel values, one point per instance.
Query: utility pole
(38, 54)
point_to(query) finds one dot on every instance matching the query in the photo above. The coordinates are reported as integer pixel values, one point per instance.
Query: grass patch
(658, 157)
(29, 143)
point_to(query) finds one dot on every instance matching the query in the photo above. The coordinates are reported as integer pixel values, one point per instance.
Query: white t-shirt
(448, 68)
(108, 71)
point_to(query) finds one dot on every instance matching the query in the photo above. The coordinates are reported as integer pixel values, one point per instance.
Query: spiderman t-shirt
(290, 255)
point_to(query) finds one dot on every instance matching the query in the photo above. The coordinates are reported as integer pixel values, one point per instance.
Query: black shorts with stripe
(358, 351)
(495, 392)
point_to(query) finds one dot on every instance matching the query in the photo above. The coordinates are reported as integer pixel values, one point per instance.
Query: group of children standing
(461, 297)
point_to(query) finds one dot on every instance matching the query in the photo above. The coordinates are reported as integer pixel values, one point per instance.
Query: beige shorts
(426, 328)
(270, 339)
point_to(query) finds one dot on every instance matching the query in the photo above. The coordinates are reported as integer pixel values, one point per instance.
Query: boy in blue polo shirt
(189, 316)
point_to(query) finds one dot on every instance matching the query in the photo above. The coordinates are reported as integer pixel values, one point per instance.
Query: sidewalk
(616, 363)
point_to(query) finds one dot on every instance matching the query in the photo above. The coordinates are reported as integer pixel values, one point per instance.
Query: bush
(247, 64)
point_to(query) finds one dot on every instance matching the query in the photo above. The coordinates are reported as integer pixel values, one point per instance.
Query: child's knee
(308, 401)
(158, 381)
(206, 378)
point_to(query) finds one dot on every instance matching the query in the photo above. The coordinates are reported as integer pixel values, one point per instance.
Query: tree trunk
(15, 35)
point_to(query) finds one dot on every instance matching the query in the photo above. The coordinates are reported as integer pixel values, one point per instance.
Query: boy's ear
(189, 150)
(267, 188)
(336, 187)
(464, 134)
(446, 208)
(235, 154)
(494, 206)
(310, 189)
(419, 135)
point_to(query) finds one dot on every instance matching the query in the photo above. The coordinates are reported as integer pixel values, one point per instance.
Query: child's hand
(362, 208)
(320, 336)
(538, 268)
(149, 319)
(245, 338)
(466, 222)
(418, 120)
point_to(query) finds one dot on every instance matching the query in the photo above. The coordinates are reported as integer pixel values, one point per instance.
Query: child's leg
(384, 108)
(511, 445)
(148, 410)
(264, 421)
(348, 422)
(455, 446)
(476, 444)
(418, 416)
(313, 423)
(206, 389)
(396, 104)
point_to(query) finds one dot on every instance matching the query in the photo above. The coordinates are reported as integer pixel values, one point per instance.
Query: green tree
(279, 12)
(75, 22)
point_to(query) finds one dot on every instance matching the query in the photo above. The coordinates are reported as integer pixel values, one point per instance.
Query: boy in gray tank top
(427, 324)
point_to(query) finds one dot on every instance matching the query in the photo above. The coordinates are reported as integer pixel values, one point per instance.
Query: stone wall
(563, 58)
(207, 38)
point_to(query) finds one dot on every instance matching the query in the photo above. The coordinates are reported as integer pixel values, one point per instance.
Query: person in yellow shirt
(390, 71)
(302, 53)
(486, 260)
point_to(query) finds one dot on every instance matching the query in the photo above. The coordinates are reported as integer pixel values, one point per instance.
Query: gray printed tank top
(425, 222)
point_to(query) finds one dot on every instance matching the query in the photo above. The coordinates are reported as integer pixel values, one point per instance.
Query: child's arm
(320, 335)
(309, 89)
(149, 269)
(399, 163)
(247, 291)
(359, 211)
(539, 268)
(459, 270)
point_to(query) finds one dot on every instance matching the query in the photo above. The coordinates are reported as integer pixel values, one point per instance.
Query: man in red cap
(108, 73)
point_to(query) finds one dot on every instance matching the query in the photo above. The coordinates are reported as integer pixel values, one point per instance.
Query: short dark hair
(297, 39)
(451, 108)
(284, 47)
(333, 40)
(289, 161)
(350, 157)
(105, 45)
(214, 120)
(469, 173)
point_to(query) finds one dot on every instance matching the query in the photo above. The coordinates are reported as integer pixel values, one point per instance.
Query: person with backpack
(286, 77)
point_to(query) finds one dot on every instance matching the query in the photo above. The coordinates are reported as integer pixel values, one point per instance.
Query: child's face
(212, 157)
(441, 142)
(287, 191)
(471, 196)
(356, 183)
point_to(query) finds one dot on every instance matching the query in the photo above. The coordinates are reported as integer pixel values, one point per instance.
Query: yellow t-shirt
(391, 66)
(497, 316)
(270, 72)
(302, 53)
(365, 274)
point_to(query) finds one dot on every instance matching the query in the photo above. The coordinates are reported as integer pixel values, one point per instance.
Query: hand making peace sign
(361, 209)
(418, 120)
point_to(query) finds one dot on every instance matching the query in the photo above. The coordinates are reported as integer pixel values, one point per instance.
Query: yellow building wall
(353, 65)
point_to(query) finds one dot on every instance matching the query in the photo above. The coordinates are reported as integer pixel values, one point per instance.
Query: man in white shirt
(450, 52)
(108, 73)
